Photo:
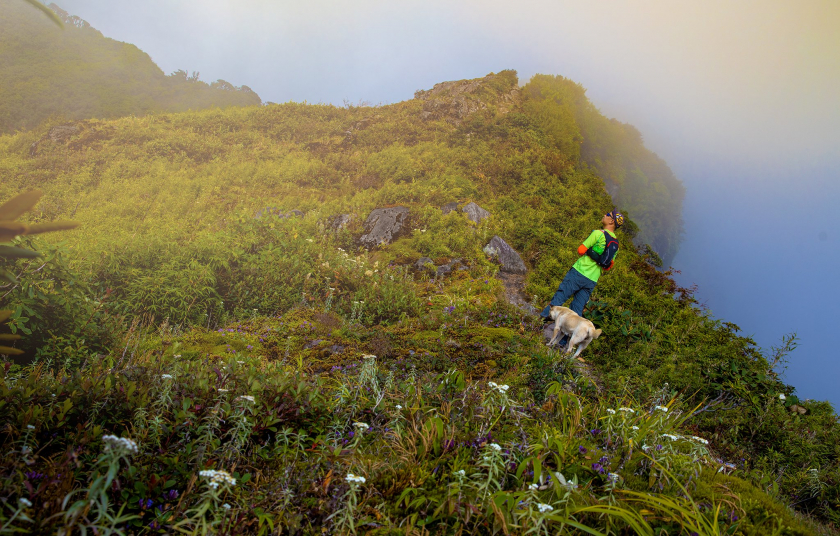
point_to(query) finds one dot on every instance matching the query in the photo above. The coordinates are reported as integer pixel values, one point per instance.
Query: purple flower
(596, 467)
(582, 449)
(595, 431)
(658, 447)
(170, 495)
(145, 503)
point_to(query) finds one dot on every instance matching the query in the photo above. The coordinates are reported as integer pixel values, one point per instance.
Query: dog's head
(558, 311)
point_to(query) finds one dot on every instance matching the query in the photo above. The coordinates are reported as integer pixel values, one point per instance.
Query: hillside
(77, 73)
(219, 299)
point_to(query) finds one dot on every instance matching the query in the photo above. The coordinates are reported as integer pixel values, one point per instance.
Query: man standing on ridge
(581, 279)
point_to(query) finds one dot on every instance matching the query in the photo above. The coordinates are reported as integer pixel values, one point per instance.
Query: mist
(739, 98)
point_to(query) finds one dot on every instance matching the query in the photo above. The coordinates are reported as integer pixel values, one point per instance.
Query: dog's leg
(556, 331)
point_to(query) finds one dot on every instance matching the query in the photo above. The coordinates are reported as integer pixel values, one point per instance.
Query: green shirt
(585, 265)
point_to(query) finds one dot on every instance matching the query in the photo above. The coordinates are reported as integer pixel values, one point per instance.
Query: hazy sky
(741, 98)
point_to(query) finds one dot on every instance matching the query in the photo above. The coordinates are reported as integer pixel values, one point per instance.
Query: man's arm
(590, 241)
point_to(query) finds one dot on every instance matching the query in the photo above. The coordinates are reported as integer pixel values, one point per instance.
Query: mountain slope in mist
(77, 73)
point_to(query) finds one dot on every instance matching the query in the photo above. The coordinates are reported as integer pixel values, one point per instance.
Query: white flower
(661, 408)
(611, 411)
(25, 502)
(495, 446)
(217, 477)
(627, 410)
(700, 440)
(634, 427)
(671, 437)
(246, 397)
(353, 479)
(177, 355)
(167, 377)
(460, 473)
(543, 508)
(504, 388)
(226, 506)
(782, 396)
(398, 407)
(222, 390)
(361, 426)
(533, 487)
(120, 445)
(613, 477)
(30, 427)
(493, 385)
(369, 356)
(241, 362)
(568, 485)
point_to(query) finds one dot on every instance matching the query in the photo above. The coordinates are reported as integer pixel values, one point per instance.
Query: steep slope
(76, 73)
(227, 219)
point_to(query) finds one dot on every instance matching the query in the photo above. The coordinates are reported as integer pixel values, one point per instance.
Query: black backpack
(604, 260)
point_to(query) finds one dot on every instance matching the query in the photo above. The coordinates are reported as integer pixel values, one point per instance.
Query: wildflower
(353, 479)
(398, 407)
(663, 409)
(568, 485)
(167, 377)
(628, 410)
(533, 487)
(700, 440)
(361, 426)
(611, 411)
(369, 356)
(226, 506)
(612, 477)
(368, 273)
(460, 473)
(582, 449)
(217, 477)
(670, 436)
(30, 427)
(121, 445)
(496, 447)
(222, 390)
(634, 427)
(543, 508)
(24, 502)
(246, 397)
(176, 355)
(782, 396)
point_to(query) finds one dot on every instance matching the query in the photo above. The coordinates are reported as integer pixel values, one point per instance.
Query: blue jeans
(576, 286)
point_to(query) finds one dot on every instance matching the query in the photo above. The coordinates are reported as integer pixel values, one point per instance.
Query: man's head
(614, 219)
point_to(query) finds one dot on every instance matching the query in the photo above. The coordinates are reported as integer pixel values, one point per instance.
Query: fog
(740, 98)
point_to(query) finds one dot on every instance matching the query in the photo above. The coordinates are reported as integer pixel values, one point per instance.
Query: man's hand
(582, 249)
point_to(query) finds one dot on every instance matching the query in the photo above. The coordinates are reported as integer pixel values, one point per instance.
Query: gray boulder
(448, 267)
(383, 225)
(449, 207)
(475, 212)
(422, 262)
(340, 221)
(509, 259)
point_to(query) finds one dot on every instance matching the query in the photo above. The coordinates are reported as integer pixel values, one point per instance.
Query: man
(580, 280)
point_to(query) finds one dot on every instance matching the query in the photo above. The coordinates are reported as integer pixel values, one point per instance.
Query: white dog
(580, 330)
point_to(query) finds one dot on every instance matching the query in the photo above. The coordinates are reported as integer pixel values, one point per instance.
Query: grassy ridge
(77, 73)
(169, 236)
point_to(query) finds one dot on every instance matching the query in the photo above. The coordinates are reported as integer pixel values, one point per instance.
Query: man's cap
(617, 217)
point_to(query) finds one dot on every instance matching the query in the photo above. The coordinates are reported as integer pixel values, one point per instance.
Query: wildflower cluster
(120, 446)
(354, 479)
(217, 477)
(502, 389)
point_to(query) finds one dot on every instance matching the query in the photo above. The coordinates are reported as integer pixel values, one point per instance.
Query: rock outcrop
(509, 259)
(383, 225)
(340, 221)
(474, 212)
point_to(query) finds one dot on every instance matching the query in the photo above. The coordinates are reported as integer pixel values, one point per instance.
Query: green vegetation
(180, 297)
(76, 73)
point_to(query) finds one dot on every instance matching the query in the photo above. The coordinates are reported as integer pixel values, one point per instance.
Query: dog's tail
(596, 333)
